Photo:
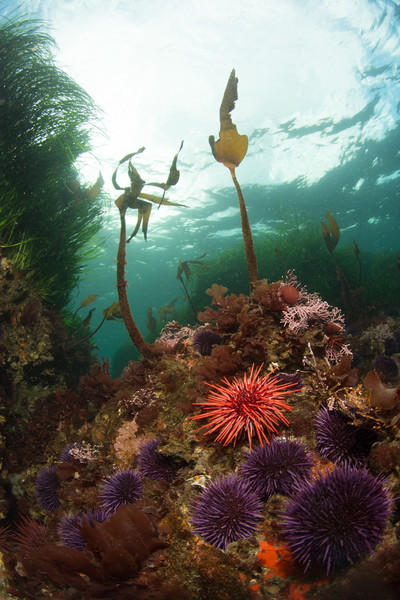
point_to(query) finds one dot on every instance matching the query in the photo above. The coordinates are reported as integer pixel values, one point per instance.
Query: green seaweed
(48, 222)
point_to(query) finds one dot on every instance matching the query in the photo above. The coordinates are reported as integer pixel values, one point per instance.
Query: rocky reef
(117, 488)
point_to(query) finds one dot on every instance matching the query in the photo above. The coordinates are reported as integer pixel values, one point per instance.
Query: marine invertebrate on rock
(277, 468)
(29, 534)
(68, 530)
(289, 294)
(124, 487)
(46, 485)
(155, 465)
(336, 519)
(226, 511)
(251, 405)
(339, 440)
(5, 542)
(205, 339)
(69, 527)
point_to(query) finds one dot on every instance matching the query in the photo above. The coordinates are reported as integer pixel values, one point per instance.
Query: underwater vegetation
(230, 149)
(134, 198)
(288, 490)
(48, 218)
(303, 250)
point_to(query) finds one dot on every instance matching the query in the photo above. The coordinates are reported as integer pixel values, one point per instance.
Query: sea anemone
(205, 339)
(336, 519)
(154, 464)
(276, 469)
(339, 440)
(226, 511)
(124, 487)
(251, 405)
(46, 485)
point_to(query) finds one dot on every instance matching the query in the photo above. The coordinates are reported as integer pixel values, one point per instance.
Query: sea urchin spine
(276, 469)
(226, 511)
(251, 405)
(337, 519)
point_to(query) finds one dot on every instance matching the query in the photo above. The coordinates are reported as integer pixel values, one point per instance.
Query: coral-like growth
(226, 511)
(341, 441)
(311, 311)
(276, 469)
(337, 519)
(47, 484)
(250, 406)
(124, 487)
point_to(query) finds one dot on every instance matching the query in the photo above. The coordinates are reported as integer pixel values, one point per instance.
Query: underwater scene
(200, 300)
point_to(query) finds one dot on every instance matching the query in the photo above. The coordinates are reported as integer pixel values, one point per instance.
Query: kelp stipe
(133, 197)
(230, 149)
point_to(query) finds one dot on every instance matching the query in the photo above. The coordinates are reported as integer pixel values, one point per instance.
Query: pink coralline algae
(311, 311)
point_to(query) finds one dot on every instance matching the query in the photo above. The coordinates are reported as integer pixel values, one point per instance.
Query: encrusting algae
(115, 493)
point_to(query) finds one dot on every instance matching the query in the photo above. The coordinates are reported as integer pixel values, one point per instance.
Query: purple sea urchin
(154, 464)
(339, 440)
(46, 484)
(69, 527)
(124, 487)
(277, 468)
(68, 530)
(226, 511)
(336, 519)
(205, 339)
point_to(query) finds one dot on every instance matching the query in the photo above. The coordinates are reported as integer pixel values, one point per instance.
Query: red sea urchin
(250, 405)
(226, 511)
(337, 519)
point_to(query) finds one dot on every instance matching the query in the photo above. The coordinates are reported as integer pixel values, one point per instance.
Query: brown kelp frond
(184, 269)
(167, 310)
(112, 313)
(91, 298)
(230, 149)
(183, 266)
(331, 232)
(133, 197)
